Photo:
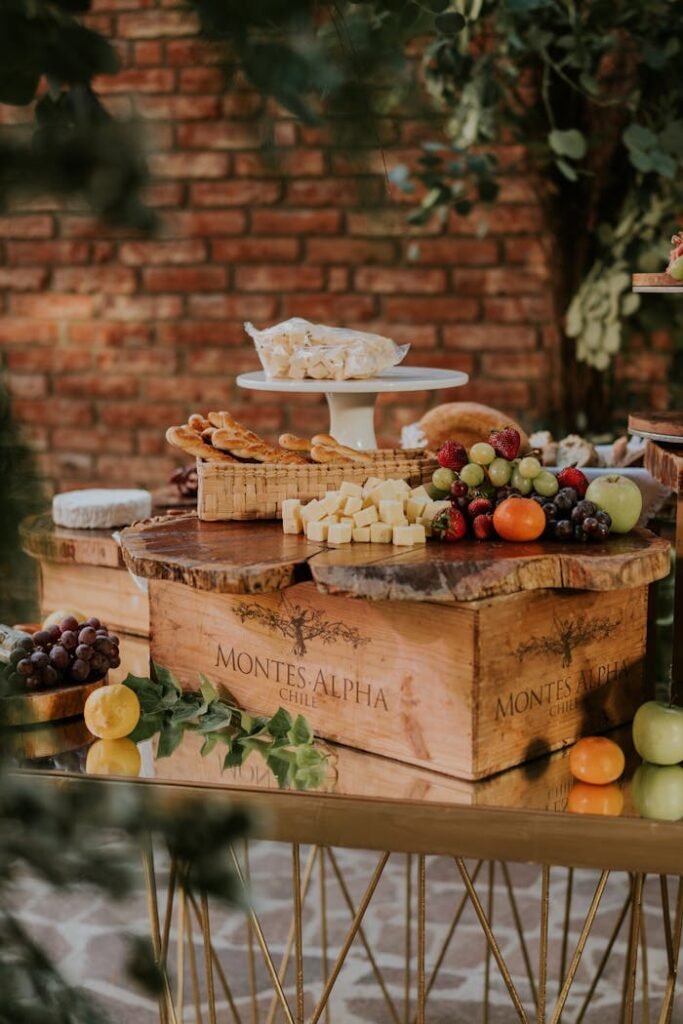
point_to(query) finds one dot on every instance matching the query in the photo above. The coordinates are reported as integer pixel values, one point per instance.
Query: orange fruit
(519, 519)
(597, 760)
(587, 799)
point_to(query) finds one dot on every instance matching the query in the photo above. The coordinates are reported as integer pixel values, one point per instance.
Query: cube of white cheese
(432, 509)
(401, 487)
(332, 502)
(361, 534)
(316, 531)
(348, 520)
(366, 516)
(329, 520)
(371, 483)
(352, 506)
(339, 533)
(418, 533)
(414, 508)
(292, 525)
(426, 524)
(420, 492)
(312, 512)
(291, 508)
(386, 491)
(391, 512)
(349, 490)
(402, 535)
(380, 533)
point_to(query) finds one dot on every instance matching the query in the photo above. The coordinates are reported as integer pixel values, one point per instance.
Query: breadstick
(292, 443)
(319, 453)
(197, 423)
(189, 441)
(243, 447)
(207, 434)
(327, 441)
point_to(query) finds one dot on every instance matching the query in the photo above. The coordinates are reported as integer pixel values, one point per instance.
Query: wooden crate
(466, 689)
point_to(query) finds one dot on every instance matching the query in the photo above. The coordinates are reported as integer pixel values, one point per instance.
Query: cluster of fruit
(493, 492)
(63, 653)
(596, 764)
(657, 786)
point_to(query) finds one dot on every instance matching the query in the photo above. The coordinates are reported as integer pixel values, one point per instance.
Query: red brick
(137, 360)
(95, 439)
(74, 466)
(526, 366)
(235, 193)
(186, 224)
(141, 414)
(338, 279)
(295, 222)
(189, 165)
(220, 135)
(143, 307)
(101, 23)
(384, 279)
(165, 108)
(97, 385)
(266, 278)
(334, 192)
(154, 23)
(49, 359)
(254, 250)
(415, 335)
(286, 163)
(285, 133)
(452, 251)
(201, 332)
(83, 226)
(135, 471)
(36, 437)
(151, 442)
(33, 332)
(184, 279)
(198, 391)
(349, 250)
(23, 279)
(233, 307)
(531, 251)
(423, 310)
(164, 193)
(488, 337)
(241, 102)
(206, 361)
(374, 161)
(57, 412)
(27, 385)
(505, 220)
(330, 308)
(202, 80)
(147, 53)
(523, 309)
(193, 54)
(158, 137)
(26, 227)
(496, 281)
(136, 80)
(108, 6)
(27, 253)
(387, 223)
(53, 304)
(105, 333)
(510, 396)
(136, 254)
(106, 280)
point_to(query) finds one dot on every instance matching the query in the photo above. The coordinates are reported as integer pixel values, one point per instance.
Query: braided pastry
(189, 441)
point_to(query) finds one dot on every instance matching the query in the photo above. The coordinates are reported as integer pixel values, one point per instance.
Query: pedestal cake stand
(352, 402)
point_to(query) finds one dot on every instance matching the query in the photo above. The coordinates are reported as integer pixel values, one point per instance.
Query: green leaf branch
(286, 744)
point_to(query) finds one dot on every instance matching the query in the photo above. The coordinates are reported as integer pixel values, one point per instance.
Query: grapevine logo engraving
(300, 624)
(571, 633)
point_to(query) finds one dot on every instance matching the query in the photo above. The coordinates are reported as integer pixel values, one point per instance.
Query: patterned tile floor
(86, 934)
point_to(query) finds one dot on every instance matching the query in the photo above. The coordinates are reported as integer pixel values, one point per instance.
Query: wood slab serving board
(253, 558)
(41, 539)
(47, 705)
(655, 283)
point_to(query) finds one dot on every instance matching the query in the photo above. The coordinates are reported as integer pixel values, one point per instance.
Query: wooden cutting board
(45, 541)
(655, 283)
(253, 558)
(47, 705)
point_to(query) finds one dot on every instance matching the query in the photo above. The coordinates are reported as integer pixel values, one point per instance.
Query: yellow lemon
(112, 712)
(54, 618)
(113, 757)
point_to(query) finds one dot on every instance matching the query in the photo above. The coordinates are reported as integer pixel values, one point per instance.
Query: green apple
(675, 269)
(658, 732)
(620, 497)
(657, 791)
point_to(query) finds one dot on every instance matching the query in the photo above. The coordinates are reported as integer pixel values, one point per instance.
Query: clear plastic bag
(298, 349)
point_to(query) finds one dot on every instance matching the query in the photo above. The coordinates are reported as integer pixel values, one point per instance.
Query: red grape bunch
(72, 652)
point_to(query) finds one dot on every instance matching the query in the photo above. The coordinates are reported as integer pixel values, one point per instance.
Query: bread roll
(467, 422)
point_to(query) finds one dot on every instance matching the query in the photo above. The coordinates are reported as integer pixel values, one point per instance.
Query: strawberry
(479, 507)
(505, 442)
(452, 455)
(573, 477)
(483, 527)
(450, 524)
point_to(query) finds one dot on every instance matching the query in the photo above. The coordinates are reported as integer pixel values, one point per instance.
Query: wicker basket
(257, 490)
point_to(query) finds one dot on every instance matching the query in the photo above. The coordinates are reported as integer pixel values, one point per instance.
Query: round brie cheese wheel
(100, 508)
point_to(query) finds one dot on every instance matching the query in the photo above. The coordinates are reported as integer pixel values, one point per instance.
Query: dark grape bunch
(568, 518)
(72, 652)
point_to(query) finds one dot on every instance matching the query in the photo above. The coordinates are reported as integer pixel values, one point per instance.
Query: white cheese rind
(100, 509)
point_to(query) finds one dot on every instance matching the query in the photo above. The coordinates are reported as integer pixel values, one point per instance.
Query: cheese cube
(432, 509)
(290, 508)
(420, 492)
(385, 491)
(340, 533)
(366, 516)
(368, 502)
(401, 487)
(392, 512)
(332, 502)
(352, 506)
(347, 519)
(361, 534)
(316, 531)
(371, 483)
(292, 525)
(414, 508)
(380, 533)
(426, 524)
(329, 520)
(349, 490)
(402, 535)
(313, 511)
(418, 533)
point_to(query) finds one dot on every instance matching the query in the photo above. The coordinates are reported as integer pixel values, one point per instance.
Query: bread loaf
(467, 422)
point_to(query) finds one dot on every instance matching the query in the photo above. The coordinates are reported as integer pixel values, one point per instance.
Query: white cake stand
(352, 402)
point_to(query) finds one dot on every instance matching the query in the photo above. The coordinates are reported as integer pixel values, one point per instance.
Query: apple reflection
(657, 791)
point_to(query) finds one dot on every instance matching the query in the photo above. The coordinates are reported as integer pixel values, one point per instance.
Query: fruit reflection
(114, 757)
(657, 791)
(587, 799)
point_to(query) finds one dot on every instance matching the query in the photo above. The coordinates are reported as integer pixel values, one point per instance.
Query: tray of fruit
(49, 674)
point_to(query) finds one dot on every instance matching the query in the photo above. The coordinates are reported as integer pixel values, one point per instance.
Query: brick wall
(106, 338)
